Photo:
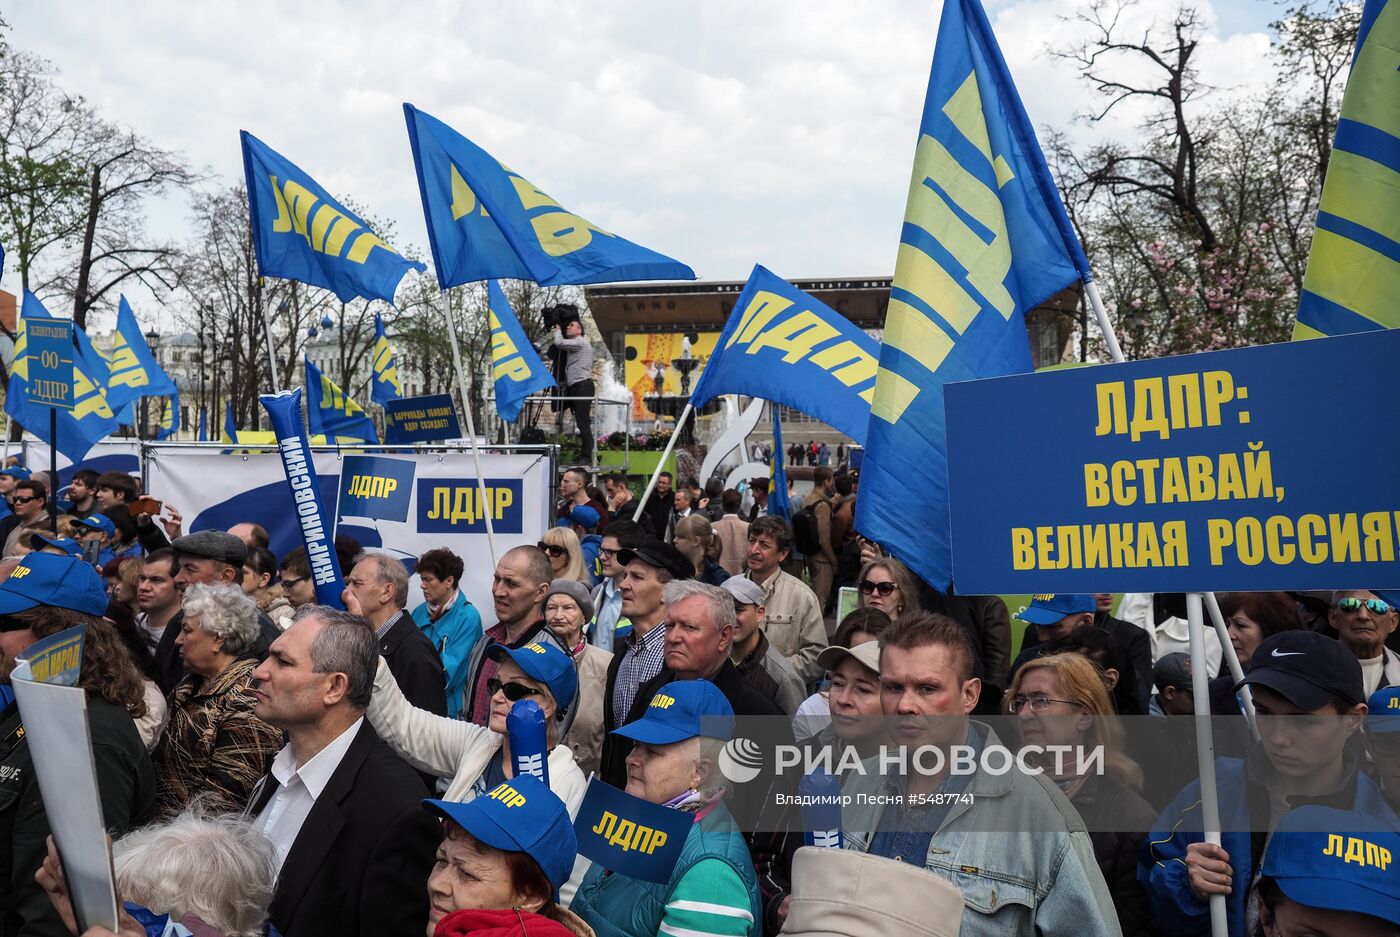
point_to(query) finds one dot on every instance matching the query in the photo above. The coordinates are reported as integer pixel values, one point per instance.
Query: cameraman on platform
(573, 355)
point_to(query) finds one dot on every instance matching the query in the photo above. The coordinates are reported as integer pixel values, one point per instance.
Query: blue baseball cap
(521, 815)
(682, 710)
(585, 516)
(16, 471)
(1050, 608)
(1383, 710)
(1338, 860)
(544, 662)
(67, 544)
(48, 579)
(98, 522)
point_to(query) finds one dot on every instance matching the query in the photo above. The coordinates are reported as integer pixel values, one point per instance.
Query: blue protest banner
(375, 487)
(51, 362)
(431, 418)
(284, 412)
(1231, 470)
(454, 505)
(628, 835)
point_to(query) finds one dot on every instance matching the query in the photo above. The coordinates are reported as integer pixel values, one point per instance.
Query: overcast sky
(725, 133)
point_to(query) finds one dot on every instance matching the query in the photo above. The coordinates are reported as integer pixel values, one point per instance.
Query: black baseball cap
(662, 555)
(1309, 669)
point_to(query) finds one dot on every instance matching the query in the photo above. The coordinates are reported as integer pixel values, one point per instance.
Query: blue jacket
(591, 544)
(1162, 862)
(454, 635)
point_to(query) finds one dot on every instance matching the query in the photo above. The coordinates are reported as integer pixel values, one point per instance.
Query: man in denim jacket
(1009, 841)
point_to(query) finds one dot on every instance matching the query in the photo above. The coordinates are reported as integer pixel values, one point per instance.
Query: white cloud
(723, 133)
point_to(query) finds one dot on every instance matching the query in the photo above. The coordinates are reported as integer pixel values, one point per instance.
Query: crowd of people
(269, 764)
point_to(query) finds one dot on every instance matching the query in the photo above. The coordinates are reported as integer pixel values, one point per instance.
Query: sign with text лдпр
(1265, 468)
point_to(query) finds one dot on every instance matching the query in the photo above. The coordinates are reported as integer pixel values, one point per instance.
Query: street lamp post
(153, 343)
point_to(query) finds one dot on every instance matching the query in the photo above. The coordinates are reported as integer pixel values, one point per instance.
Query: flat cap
(212, 545)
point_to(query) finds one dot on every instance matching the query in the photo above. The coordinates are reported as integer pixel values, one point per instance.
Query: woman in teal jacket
(713, 888)
(447, 619)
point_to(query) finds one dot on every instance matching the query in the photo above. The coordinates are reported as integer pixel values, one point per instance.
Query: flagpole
(1232, 660)
(271, 358)
(1205, 747)
(661, 463)
(471, 426)
(1091, 290)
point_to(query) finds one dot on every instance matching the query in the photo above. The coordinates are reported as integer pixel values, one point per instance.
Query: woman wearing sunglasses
(1363, 622)
(477, 758)
(1061, 699)
(887, 585)
(565, 554)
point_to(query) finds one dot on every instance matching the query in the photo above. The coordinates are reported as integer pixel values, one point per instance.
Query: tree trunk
(80, 294)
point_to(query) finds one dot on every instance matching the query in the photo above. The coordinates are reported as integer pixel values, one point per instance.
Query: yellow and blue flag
(985, 239)
(133, 370)
(516, 366)
(332, 413)
(787, 346)
(247, 437)
(170, 419)
(486, 221)
(301, 233)
(384, 368)
(779, 505)
(90, 419)
(1353, 274)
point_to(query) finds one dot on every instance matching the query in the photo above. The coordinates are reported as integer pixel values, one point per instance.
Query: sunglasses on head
(1353, 604)
(514, 691)
(551, 549)
(884, 588)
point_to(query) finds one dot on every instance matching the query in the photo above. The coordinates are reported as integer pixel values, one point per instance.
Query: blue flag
(485, 221)
(384, 368)
(778, 503)
(230, 426)
(203, 434)
(332, 413)
(134, 370)
(784, 345)
(516, 366)
(170, 419)
(301, 233)
(985, 239)
(90, 419)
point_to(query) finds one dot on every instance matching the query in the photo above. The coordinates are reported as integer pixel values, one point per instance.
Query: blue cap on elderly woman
(520, 815)
(682, 710)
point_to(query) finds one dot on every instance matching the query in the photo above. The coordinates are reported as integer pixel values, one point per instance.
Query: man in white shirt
(354, 846)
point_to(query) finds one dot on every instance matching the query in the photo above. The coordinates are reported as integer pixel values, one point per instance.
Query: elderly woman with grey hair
(213, 874)
(213, 746)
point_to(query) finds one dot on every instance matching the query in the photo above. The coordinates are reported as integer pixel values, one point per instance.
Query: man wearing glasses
(28, 503)
(1363, 621)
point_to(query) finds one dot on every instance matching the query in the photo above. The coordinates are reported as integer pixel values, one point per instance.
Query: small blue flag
(486, 221)
(384, 368)
(784, 345)
(332, 413)
(230, 426)
(301, 233)
(778, 503)
(516, 366)
(170, 419)
(90, 419)
(203, 434)
(985, 239)
(134, 370)
(629, 835)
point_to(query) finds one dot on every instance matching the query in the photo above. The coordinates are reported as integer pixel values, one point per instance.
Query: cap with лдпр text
(1383, 711)
(212, 545)
(47, 579)
(661, 555)
(544, 662)
(16, 471)
(1308, 669)
(520, 815)
(682, 710)
(1051, 607)
(98, 522)
(1339, 860)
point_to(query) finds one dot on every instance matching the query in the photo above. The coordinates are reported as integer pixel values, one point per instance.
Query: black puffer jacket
(1118, 820)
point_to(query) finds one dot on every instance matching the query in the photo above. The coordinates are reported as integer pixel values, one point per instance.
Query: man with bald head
(518, 590)
(254, 535)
